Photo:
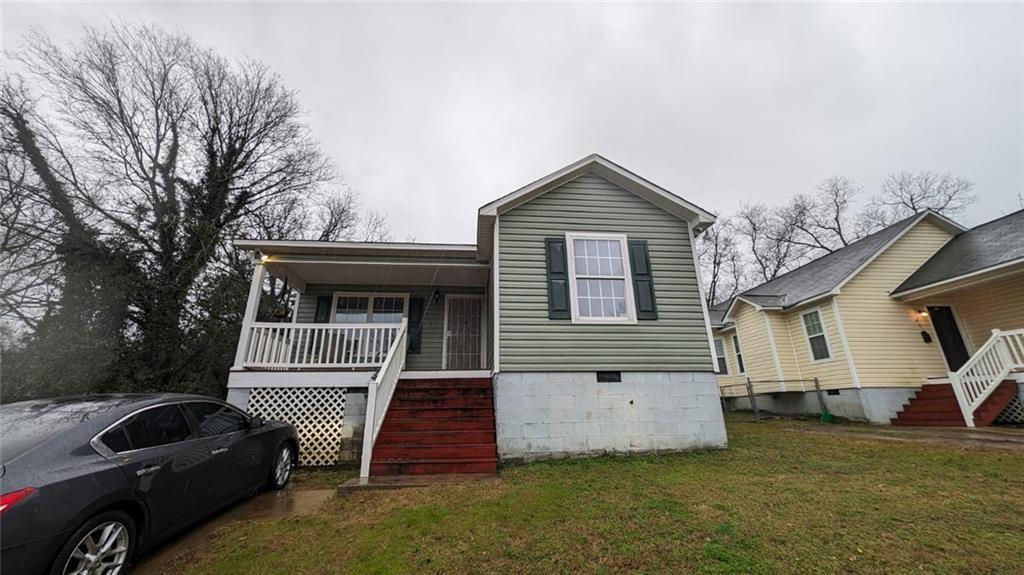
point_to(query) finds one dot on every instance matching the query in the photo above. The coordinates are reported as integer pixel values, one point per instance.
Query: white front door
(464, 338)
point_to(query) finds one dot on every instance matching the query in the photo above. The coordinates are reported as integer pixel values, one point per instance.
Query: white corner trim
(704, 305)
(850, 364)
(775, 351)
(496, 309)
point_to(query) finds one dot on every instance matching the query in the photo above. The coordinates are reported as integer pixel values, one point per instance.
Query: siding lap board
(676, 341)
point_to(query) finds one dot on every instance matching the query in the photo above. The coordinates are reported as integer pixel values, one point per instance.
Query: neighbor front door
(464, 332)
(950, 339)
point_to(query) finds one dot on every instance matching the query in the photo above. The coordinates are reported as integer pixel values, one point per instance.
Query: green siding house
(577, 316)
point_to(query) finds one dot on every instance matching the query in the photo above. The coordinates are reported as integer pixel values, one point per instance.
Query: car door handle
(147, 470)
(219, 450)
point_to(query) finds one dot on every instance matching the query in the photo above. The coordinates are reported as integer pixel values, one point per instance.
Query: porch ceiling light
(264, 257)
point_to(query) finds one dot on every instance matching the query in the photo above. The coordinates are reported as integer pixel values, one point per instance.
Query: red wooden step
(451, 383)
(448, 402)
(459, 437)
(433, 452)
(994, 404)
(941, 404)
(453, 424)
(434, 467)
(435, 392)
(438, 412)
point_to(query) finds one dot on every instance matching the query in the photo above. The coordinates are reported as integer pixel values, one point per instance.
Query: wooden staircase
(438, 426)
(936, 405)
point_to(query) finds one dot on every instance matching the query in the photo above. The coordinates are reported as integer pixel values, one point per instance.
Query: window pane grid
(600, 278)
(816, 336)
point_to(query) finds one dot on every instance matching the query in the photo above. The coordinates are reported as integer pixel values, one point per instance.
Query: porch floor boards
(438, 427)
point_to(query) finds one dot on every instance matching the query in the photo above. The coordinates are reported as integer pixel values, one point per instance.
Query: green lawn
(777, 501)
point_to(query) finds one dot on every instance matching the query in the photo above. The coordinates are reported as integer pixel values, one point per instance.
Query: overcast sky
(433, 110)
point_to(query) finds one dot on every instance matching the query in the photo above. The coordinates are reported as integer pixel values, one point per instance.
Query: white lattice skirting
(316, 412)
(1013, 412)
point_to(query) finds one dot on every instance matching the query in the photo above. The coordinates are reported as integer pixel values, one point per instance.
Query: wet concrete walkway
(287, 503)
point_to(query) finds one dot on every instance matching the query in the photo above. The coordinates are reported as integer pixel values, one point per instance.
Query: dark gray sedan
(86, 483)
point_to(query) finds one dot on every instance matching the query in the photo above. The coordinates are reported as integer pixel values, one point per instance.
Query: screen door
(464, 332)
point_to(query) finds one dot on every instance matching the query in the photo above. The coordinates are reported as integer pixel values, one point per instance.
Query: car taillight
(8, 500)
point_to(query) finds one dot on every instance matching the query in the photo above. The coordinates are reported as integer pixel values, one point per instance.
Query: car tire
(281, 466)
(122, 535)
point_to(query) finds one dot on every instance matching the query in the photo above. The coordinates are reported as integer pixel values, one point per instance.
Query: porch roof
(304, 262)
(994, 246)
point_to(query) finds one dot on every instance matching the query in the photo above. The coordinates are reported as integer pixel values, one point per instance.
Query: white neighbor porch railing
(379, 394)
(1002, 354)
(319, 345)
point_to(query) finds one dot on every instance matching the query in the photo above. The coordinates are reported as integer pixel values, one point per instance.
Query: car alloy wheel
(103, 551)
(283, 467)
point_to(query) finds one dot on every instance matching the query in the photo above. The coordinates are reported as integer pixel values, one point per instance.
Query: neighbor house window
(816, 339)
(359, 308)
(599, 279)
(739, 355)
(723, 365)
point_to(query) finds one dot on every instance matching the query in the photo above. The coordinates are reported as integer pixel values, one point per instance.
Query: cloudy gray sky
(433, 110)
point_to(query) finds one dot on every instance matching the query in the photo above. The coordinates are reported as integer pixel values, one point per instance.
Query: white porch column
(251, 307)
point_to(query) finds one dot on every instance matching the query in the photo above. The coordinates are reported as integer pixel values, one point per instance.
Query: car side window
(116, 440)
(157, 426)
(215, 418)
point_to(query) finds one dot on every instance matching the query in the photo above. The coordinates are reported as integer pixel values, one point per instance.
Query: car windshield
(28, 424)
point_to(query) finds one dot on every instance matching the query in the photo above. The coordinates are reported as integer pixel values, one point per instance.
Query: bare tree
(721, 264)
(148, 152)
(771, 239)
(906, 193)
(822, 221)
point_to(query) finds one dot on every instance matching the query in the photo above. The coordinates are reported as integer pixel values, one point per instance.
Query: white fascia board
(578, 168)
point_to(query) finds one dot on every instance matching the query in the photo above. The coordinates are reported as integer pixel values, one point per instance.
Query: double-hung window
(359, 308)
(723, 365)
(816, 339)
(739, 354)
(600, 285)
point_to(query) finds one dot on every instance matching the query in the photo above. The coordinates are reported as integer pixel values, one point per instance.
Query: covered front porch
(978, 321)
(360, 318)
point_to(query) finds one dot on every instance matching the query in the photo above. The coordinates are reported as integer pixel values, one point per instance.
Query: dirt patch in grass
(779, 500)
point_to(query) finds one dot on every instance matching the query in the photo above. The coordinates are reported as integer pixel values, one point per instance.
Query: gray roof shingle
(824, 274)
(985, 246)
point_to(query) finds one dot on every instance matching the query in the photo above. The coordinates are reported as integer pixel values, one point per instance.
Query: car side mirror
(255, 421)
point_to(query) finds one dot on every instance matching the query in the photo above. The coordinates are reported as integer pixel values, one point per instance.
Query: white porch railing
(379, 394)
(1002, 354)
(324, 345)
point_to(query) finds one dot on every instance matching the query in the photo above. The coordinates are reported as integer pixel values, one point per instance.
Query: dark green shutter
(323, 309)
(558, 279)
(415, 324)
(643, 281)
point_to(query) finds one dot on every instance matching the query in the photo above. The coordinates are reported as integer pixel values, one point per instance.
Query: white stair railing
(1002, 354)
(325, 345)
(379, 394)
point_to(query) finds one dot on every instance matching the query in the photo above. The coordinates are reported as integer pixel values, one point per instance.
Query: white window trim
(369, 302)
(737, 353)
(824, 334)
(725, 355)
(627, 276)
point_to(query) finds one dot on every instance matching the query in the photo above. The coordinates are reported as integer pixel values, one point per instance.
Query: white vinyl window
(370, 308)
(599, 279)
(739, 355)
(723, 364)
(817, 342)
